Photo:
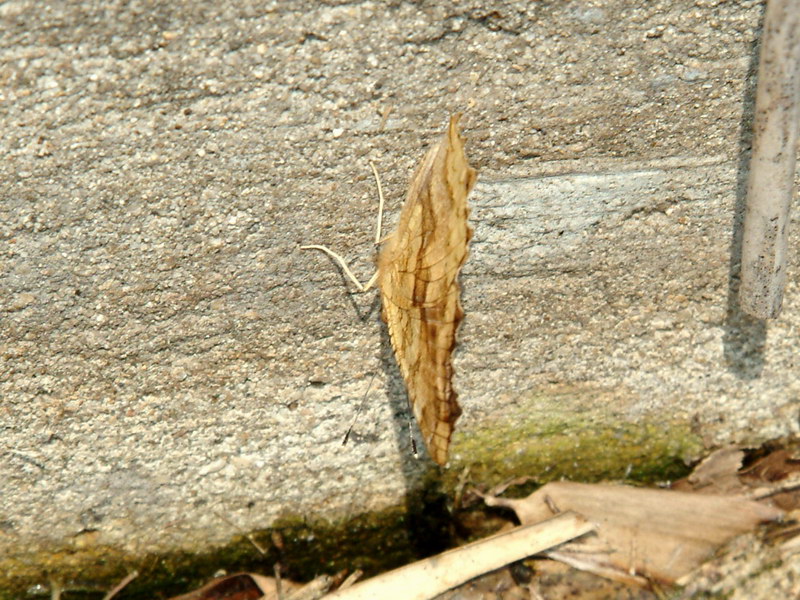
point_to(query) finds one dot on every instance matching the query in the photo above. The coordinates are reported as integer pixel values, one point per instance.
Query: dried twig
(121, 585)
(430, 577)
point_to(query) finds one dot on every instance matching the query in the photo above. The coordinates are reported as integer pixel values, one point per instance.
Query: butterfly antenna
(380, 204)
(358, 411)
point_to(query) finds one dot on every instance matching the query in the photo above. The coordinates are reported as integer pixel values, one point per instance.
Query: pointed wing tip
(454, 119)
(439, 456)
(438, 442)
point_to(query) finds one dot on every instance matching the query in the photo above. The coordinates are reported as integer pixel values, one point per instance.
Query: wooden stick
(119, 587)
(772, 165)
(433, 576)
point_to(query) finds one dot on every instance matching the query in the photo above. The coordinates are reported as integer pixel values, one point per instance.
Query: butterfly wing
(418, 277)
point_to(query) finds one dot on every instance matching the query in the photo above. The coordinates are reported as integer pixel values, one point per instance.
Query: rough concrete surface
(169, 354)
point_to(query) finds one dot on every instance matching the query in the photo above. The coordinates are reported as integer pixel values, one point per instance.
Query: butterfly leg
(367, 286)
(361, 287)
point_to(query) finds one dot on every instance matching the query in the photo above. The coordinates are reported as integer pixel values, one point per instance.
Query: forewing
(418, 277)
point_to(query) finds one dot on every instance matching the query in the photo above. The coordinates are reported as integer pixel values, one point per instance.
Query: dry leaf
(418, 278)
(777, 466)
(775, 476)
(716, 474)
(661, 534)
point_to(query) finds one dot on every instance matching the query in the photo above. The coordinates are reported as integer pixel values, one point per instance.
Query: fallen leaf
(642, 534)
(717, 473)
(775, 476)
(776, 466)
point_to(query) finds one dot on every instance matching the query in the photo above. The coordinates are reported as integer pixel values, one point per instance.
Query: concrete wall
(167, 351)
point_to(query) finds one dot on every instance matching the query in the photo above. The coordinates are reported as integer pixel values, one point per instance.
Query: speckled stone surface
(167, 352)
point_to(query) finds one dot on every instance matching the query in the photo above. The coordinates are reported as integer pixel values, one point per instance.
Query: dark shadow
(745, 336)
(427, 515)
(427, 520)
(352, 292)
(403, 421)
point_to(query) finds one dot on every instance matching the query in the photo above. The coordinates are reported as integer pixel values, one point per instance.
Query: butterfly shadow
(428, 519)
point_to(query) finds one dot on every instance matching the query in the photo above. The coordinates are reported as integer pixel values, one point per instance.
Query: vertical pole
(770, 185)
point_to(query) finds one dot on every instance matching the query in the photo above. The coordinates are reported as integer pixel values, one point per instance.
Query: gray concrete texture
(169, 354)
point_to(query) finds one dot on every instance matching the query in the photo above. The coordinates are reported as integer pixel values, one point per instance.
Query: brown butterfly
(418, 278)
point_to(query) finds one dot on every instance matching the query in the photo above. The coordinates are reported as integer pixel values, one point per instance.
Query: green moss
(373, 543)
(574, 435)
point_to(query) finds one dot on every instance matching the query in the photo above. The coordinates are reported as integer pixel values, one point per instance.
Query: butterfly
(417, 275)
